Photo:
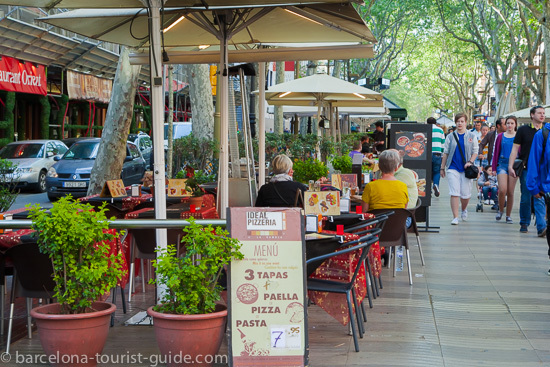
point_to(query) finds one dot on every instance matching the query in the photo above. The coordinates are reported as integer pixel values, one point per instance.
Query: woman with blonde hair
(281, 191)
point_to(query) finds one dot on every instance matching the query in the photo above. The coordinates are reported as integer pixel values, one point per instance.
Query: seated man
(407, 176)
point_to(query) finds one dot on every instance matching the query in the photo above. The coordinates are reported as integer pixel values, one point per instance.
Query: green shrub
(73, 235)
(304, 171)
(192, 280)
(342, 164)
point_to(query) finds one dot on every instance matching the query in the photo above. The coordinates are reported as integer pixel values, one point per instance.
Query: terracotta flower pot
(72, 340)
(196, 200)
(189, 340)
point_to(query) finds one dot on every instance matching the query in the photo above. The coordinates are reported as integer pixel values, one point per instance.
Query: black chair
(361, 230)
(145, 204)
(361, 247)
(414, 228)
(320, 247)
(394, 234)
(345, 219)
(32, 279)
(111, 209)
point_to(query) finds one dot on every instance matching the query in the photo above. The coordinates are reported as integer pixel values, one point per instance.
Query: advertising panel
(267, 313)
(25, 77)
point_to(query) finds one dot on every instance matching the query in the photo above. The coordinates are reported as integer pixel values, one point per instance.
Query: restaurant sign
(267, 317)
(88, 87)
(24, 77)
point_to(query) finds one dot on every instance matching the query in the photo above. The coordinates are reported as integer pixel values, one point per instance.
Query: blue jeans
(494, 193)
(436, 167)
(525, 206)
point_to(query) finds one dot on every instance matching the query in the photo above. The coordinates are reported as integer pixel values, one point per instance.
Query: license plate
(74, 184)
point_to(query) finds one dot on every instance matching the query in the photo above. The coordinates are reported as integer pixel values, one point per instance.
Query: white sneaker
(454, 222)
(487, 202)
(465, 215)
(491, 202)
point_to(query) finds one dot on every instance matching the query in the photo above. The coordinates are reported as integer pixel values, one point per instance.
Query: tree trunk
(278, 120)
(112, 150)
(202, 105)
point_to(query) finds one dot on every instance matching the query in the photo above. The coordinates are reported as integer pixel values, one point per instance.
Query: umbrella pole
(261, 124)
(157, 106)
(223, 176)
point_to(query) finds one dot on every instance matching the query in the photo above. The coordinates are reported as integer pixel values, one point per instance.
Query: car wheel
(52, 198)
(41, 185)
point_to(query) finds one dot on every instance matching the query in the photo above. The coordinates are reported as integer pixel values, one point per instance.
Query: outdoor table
(10, 239)
(339, 268)
(125, 203)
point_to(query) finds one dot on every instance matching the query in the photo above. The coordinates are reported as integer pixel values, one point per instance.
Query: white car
(33, 158)
(179, 130)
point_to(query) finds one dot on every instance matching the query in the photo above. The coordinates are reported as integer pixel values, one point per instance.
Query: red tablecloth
(339, 268)
(202, 213)
(11, 239)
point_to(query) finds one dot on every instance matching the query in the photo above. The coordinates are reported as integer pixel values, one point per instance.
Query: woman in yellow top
(386, 192)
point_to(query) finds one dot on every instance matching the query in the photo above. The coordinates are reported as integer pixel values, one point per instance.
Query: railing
(127, 223)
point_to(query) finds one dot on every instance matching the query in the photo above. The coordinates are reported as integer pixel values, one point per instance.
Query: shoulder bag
(471, 171)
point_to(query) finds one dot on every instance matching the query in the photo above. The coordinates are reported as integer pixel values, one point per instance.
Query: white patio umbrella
(322, 90)
(222, 18)
(246, 25)
(524, 115)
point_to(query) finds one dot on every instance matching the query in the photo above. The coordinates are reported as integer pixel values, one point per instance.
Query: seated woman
(386, 192)
(281, 191)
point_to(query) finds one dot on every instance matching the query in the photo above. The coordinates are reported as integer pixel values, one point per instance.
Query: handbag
(518, 166)
(471, 171)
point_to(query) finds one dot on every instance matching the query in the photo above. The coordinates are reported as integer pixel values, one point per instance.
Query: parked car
(71, 174)
(33, 159)
(179, 130)
(145, 146)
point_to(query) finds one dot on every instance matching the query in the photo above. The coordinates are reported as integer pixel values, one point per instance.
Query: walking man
(438, 139)
(490, 139)
(524, 139)
(538, 173)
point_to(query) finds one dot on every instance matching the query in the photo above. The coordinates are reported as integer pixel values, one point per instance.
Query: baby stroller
(493, 202)
(479, 205)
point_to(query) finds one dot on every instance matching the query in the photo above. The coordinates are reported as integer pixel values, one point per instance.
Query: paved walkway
(483, 299)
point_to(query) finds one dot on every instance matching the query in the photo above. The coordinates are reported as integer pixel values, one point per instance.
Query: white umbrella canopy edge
(75, 4)
(277, 25)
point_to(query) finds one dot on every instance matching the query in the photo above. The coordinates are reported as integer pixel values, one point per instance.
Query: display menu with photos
(177, 187)
(113, 188)
(267, 313)
(322, 202)
(415, 142)
(339, 179)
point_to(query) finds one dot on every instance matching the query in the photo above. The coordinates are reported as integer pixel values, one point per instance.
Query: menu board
(415, 141)
(177, 188)
(338, 180)
(113, 188)
(267, 313)
(322, 202)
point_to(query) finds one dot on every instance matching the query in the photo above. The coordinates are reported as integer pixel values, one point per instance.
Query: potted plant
(76, 238)
(193, 187)
(189, 320)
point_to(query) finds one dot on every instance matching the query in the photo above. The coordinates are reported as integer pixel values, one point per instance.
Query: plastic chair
(32, 279)
(394, 234)
(414, 228)
(144, 243)
(361, 247)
